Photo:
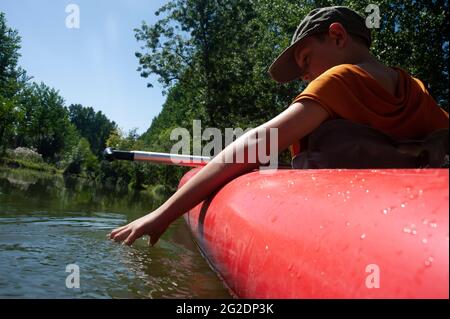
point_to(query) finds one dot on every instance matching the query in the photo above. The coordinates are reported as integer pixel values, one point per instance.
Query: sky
(93, 65)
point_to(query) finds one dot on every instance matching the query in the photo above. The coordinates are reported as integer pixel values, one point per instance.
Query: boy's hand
(153, 225)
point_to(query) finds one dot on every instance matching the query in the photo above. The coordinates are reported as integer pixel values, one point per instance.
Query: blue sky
(95, 64)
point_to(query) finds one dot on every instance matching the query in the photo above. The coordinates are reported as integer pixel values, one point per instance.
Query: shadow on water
(48, 222)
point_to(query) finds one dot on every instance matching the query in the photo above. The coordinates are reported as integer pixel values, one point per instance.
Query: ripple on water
(35, 250)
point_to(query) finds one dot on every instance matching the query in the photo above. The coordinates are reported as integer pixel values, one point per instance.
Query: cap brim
(285, 69)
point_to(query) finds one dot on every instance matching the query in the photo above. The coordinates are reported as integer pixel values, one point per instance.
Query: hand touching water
(153, 225)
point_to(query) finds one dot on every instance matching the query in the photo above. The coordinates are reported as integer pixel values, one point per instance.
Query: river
(50, 223)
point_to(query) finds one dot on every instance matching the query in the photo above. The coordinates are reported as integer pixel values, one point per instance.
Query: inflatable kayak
(328, 233)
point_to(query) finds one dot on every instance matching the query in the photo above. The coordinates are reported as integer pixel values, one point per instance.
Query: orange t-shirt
(347, 91)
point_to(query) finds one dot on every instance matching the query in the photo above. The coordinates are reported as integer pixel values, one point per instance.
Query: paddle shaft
(154, 157)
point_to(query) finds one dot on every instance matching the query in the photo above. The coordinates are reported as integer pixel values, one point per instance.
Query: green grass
(20, 163)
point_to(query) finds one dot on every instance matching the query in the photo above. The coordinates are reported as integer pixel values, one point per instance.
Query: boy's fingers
(122, 234)
(152, 240)
(130, 239)
(115, 231)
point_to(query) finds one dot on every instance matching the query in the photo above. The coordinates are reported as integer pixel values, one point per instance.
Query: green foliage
(46, 126)
(93, 126)
(10, 117)
(81, 160)
(12, 77)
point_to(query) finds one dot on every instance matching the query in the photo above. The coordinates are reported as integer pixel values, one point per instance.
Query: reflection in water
(48, 222)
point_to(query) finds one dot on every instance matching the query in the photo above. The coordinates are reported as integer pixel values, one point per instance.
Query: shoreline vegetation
(211, 59)
(13, 163)
(25, 172)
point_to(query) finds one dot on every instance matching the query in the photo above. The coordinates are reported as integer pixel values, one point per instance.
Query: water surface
(48, 222)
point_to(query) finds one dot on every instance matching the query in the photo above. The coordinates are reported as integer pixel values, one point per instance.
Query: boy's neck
(363, 57)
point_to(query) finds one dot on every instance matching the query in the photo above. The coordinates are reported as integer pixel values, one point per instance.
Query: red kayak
(328, 233)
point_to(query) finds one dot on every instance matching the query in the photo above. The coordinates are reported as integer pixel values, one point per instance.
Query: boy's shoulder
(337, 74)
(342, 70)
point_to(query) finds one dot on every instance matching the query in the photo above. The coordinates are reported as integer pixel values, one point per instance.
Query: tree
(46, 123)
(12, 77)
(10, 116)
(81, 160)
(94, 126)
(12, 80)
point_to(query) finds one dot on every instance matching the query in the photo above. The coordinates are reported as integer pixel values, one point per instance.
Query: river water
(48, 224)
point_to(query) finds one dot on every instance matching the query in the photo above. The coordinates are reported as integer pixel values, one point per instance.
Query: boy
(350, 95)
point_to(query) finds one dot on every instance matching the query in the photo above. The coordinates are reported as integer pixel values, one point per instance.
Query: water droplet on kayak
(363, 236)
(347, 224)
(433, 225)
(321, 227)
(424, 221)
(385, 211)
(322, 273)
(268, 196)
(367, 191)
(313, 178)
(290, 183)
(363, 179)
(429, 261)
(306, 198)
(414, 232)
(420, 191)
(412, 196)
(424, 240)
(407, 230)
(328, 195)
(348, 192)
(267, 247)
(403, 205)
(248, 184)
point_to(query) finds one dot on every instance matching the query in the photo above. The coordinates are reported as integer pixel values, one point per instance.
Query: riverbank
(29, 170)
(13, 163)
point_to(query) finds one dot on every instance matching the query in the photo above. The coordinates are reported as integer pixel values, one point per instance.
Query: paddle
(154, 157)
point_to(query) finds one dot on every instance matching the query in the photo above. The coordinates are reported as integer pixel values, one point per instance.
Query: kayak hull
(328, 233)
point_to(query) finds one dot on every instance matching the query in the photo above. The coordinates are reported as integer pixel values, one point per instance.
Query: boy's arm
(295, 122)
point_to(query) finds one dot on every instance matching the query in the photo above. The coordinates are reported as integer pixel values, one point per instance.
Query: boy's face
(315, 57)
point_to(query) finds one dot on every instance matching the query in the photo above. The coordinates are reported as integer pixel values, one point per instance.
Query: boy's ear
(338, 34)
